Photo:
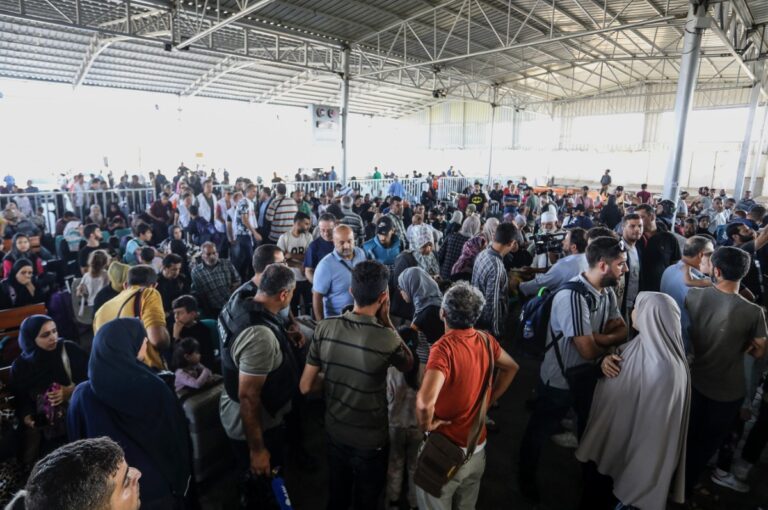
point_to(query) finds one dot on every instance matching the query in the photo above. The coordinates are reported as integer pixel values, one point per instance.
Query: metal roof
(404, 55)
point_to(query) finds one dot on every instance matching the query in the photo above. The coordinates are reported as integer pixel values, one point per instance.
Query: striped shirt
(281, 213)
(354, 352)
(490, 277)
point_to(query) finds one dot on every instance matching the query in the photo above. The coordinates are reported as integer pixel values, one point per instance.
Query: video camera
(549, 243)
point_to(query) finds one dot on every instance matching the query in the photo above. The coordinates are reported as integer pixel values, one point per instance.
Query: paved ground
(560, 476)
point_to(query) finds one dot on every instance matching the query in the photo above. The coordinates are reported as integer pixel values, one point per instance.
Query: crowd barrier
(131, 200)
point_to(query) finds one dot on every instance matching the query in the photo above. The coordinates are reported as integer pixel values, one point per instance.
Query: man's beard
(608, 281)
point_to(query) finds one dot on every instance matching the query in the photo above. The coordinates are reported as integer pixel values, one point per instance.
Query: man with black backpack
(583, 321)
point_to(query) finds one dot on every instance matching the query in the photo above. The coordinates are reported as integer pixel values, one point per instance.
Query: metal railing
(131, 201)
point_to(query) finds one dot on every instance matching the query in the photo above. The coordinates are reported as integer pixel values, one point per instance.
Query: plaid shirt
(213, 284)
(449, 253)
(490, 277)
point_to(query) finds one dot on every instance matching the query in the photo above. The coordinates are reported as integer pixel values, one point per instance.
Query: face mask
(284, 313)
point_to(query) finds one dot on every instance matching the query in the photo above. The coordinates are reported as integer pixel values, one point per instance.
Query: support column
(754, 98)
(758, 152)
(490, 142)
(344, 111)
(689, 69)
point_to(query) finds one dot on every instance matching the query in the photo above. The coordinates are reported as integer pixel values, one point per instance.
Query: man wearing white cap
(548, 225)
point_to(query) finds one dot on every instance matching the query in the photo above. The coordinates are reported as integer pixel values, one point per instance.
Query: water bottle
(280, 491)
(528, 330)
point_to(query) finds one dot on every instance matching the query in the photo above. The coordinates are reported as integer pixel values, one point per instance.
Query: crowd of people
(645, 318)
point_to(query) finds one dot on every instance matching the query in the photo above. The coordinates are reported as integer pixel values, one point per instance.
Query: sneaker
(566, 440)
(727, 480)
(740, 470)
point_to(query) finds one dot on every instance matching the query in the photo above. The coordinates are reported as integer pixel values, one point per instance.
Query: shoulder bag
(440, 458)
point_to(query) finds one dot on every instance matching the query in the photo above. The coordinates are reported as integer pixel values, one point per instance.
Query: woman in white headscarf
(489, 230)
(638, 422)
(423, 243)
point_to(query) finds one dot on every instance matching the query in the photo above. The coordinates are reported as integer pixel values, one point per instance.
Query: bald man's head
(344, 241)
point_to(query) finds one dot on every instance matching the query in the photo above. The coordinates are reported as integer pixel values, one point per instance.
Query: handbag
(440, 458)
(55, 416)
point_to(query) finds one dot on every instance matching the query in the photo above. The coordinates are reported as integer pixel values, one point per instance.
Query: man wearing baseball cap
(385, 245)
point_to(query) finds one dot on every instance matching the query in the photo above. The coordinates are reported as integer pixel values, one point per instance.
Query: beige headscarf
(471, 226)
(638, 423)
(489, 230)
(118, 275)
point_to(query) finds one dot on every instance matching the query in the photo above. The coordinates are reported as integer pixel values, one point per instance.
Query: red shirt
(462, 358)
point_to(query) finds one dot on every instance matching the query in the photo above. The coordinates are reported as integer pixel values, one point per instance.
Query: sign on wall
(326, 122)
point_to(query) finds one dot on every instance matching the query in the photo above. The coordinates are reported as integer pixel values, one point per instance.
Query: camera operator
(570, 266)
(548, 245)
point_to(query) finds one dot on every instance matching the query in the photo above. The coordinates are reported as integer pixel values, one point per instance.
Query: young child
(404, 434)
(149, 257)
(190, 373)
(96, 278)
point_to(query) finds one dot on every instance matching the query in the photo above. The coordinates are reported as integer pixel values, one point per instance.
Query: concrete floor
(559, 477)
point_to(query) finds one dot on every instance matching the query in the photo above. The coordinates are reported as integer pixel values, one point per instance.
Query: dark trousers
(274, 440)
(303, 293)
(244, 264)
(357, 476)
(757, 438)
(550, 407)
(708, 426)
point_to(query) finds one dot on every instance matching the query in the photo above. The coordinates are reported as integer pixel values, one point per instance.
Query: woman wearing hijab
(455, 224)
(118, 275)
(420, 289)
(125, 401)
(462, 269)
(97, 217)
(21, 287)
(638, 422)
(451, 249)
(43, 379)
(489, 230)
(21, 248)
(115, 217)
(423, 249)
(610, 214)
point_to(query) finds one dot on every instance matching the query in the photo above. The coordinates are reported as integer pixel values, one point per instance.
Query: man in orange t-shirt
(453, 382)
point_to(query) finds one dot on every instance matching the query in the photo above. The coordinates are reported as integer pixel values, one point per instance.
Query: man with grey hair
(692, 270)
(352, 219)
(453, 383)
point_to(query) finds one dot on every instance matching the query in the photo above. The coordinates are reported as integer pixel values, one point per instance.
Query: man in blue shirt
(320, 247)
(385, 245)
(396, 189)
(333, 275)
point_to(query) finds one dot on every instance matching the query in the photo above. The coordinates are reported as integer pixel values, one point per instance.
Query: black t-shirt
(478, 199)
(497, 195)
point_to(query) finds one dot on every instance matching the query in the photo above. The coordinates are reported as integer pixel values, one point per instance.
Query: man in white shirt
(187, 200)
(294, 244)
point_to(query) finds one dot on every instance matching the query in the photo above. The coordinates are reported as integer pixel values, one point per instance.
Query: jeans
(709, 424)
(357, 476)
(461, 491)
(244, 264)
(550, 407)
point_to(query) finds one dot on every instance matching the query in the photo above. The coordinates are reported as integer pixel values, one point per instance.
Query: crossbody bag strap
(482, 403)
(136, 304)
(65, 362)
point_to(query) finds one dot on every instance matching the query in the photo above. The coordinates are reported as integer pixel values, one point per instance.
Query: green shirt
(354, 352)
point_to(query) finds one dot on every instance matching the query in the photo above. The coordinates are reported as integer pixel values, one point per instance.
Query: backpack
(535, 315)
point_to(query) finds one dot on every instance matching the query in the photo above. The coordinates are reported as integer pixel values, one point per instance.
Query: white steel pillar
(490, 142)
(758, 152)
(754, 98)
(689, 69)
(344, 111)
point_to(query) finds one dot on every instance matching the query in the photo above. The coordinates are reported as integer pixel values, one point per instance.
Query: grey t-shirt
(255, 351)
(722, 327)
(572, 316)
